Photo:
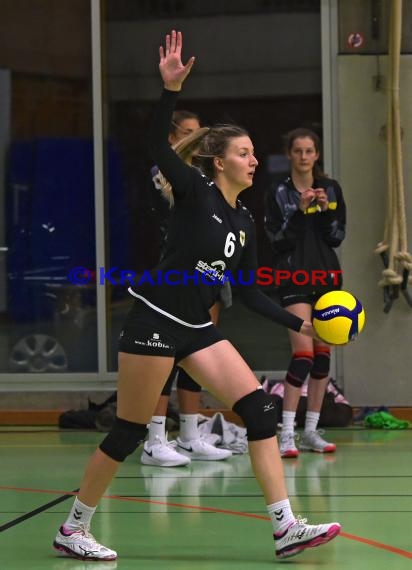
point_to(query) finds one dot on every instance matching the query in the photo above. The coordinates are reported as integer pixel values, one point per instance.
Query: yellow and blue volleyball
(338, 317)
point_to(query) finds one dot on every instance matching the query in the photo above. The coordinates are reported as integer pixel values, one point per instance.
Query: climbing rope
(393, 249)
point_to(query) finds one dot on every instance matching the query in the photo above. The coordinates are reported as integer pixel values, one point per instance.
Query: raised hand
(171, 68)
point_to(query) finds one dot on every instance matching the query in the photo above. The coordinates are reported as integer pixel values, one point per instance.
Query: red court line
(369, 542)
(387, 547)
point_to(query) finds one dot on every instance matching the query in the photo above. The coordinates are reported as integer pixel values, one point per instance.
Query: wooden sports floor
(209, 515)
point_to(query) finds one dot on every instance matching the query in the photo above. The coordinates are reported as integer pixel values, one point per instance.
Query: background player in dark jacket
(158, 450)
(209, 232)
(305, 219)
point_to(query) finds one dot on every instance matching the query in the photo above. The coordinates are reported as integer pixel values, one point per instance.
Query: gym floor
(209, 515)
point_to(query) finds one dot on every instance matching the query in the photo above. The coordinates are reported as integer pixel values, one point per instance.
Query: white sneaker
(301, 535)
(81, 544)
(287, 445)
(312, 441)
(162, 453)
(200, 450)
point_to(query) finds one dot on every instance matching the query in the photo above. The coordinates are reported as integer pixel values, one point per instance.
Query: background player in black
(183, 123)
(157, 450)
(173, 322)
(305, 219)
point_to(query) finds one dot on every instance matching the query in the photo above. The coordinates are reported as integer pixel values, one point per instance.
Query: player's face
(184, 128)
(239, 163)
(303, 155)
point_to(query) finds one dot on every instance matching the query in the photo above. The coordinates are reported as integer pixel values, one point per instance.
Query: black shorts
(287, 299)
(148, 332)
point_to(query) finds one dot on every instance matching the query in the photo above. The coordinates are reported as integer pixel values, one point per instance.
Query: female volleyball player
(210, 232)
(305, 219)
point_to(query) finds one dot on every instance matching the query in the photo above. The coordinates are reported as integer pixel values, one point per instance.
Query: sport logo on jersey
(213, 271)
(242, 238)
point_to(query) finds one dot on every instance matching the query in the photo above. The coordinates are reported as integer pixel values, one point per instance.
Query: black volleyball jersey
(306, 241)
(208, 241)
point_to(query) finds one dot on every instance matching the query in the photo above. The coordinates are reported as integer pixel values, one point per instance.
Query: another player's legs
(309, 358)
(158, 450)
(298, 370)
(318, 381)
(190, 443)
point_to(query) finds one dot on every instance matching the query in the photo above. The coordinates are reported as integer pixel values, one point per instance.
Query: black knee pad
(185, 382)
(123, 439)
(321, 363)
(258, 413)
(299, 368)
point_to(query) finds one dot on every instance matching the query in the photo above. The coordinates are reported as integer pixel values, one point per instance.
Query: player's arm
(173, 74)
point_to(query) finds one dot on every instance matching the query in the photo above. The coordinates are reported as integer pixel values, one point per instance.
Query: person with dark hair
(189, 444)
(210, 233)
(305, 219)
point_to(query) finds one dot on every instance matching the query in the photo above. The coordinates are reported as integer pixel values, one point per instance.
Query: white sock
(311, 421)
(288, 421)
(157, 427)
(281, 516)
(80, 513)
(188, 427)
